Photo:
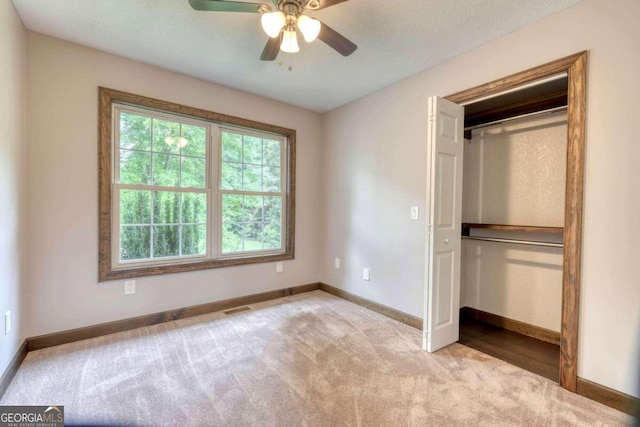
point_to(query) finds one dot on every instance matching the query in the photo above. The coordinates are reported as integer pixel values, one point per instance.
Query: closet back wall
(63, 80)
(515, 174)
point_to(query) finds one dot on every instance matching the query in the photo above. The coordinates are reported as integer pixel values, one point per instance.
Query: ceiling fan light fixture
(290, 42)
(309, 27)
(272, 23)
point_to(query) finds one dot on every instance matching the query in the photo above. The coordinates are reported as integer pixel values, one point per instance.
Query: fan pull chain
(290, 67)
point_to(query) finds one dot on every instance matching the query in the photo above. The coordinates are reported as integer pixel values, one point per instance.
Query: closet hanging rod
(521, 116)
(515, 241)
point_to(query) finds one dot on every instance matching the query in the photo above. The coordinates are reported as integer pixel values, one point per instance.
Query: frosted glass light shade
(272, 23)
(309, 27)
(290, 42)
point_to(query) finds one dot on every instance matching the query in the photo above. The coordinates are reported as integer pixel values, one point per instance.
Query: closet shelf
(466, 226)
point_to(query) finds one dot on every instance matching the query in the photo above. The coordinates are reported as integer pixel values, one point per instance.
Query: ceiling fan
(281, 21)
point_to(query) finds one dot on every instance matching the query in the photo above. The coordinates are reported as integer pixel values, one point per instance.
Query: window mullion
(152, 159)
(252, 193)
(159, 188)
(180, 224)
(214, 213)
(180, 197)
(151, 224)
(153, 193)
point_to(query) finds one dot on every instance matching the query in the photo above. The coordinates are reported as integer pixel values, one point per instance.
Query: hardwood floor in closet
(528, 353)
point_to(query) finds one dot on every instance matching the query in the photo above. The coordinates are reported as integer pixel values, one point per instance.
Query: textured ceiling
(395, 38)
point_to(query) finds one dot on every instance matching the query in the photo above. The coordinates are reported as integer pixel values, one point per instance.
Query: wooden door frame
(576, 68)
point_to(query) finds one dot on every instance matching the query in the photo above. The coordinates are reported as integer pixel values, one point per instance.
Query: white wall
(514, 173)
(375, 170)
(12, 177)
(63, 80)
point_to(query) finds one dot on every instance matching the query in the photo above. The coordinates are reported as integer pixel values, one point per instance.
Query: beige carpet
(306, 360)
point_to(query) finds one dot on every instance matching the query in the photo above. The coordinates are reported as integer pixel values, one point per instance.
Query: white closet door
(442, 293)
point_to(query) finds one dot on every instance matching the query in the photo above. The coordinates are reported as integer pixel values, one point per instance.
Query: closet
(512, 224)
(505, 259)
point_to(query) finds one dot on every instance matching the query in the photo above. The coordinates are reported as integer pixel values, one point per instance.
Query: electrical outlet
(279, 267)
(129, 287)
(415, 213)
(7, 322)
(366, 274)
(337, 263)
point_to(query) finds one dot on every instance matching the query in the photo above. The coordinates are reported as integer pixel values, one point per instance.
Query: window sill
(154, 270)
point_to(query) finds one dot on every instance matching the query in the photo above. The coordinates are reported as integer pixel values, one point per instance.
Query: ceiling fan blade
(224, 6)
(328, 3)
(336, 40)
(271, 49)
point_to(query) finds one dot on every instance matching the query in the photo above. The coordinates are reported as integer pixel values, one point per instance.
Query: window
(161, 187)
(184, 189)
(251, 192)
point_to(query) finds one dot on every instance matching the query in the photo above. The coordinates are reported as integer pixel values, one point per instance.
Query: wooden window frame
(106, 271)
(576, 68)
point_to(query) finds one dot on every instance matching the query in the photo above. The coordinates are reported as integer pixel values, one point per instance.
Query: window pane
(193, 172)
(252, 150)
(135, 132)
(271, 178)
(252, 211)
(231, 237)
(273, 209)
(166, 207)
(166, 170)
(166, 136)
(253, 236)
(166, 241)
(135, 242)
(251, 178)
(194, 208)
(194, 142)
(231, 208)
(135, 167)
(272, 236)
(231, 147)
(271, 151)
(135, 207)
(194, 239)
(231, 176)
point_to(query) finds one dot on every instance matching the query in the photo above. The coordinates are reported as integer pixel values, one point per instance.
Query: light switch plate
(7, 322)
(337, 263)
(366, 274)
(415, 212)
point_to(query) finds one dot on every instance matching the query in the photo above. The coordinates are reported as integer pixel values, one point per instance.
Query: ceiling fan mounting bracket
(291, 7)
